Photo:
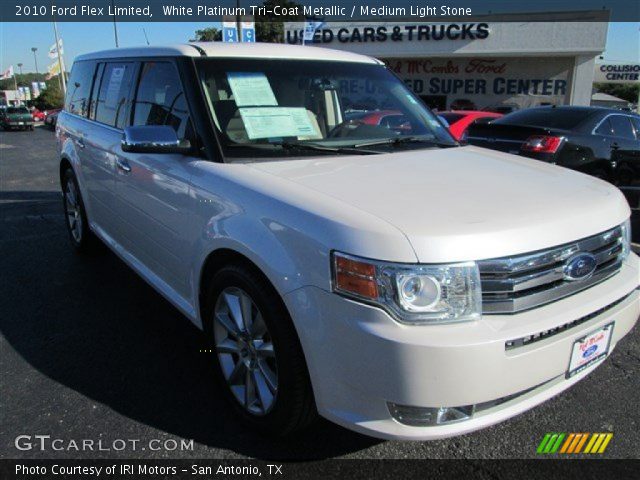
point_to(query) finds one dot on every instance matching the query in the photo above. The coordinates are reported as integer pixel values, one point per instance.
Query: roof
(233, 50)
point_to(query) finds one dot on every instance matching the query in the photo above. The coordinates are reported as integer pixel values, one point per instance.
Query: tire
(82, 238)
(273, 360)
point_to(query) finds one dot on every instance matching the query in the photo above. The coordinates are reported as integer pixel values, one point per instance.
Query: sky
(16, 40)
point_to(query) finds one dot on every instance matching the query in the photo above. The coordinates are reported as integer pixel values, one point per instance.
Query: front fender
(288, 231)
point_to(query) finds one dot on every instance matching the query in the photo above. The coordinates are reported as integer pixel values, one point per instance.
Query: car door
(101, 137)
(153, 190)
(625, 150)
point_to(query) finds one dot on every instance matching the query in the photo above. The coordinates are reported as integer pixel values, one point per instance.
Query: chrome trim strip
(543, 335)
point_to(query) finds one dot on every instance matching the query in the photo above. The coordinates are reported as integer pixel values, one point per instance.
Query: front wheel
(257, 358)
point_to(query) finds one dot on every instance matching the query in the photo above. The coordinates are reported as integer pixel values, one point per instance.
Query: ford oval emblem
(590, 351)
(580, 267)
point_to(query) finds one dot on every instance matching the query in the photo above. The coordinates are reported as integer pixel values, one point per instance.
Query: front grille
(514, 284)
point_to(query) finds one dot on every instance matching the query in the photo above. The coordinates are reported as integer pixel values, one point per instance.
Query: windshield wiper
(324, 148)
(402, 140)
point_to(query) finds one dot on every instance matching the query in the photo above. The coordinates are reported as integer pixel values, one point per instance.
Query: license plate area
(589, 350)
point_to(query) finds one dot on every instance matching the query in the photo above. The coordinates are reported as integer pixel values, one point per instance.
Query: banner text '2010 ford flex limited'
(342, 253)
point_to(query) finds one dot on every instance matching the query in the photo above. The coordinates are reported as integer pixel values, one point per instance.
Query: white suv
(376, 273)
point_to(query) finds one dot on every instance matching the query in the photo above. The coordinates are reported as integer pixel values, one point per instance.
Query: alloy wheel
(73, 210)
(245, 351)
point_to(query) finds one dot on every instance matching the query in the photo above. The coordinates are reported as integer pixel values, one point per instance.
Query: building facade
(519, 60)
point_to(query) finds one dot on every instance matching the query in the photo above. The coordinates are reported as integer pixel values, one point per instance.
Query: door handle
(80, 143)
(123, 165)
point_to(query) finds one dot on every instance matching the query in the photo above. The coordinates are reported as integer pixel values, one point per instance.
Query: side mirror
(154, 139)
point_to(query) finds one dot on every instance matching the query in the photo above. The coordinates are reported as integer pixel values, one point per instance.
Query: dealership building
(523, 60)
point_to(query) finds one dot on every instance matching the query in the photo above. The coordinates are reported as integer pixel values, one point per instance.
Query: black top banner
(328, 10)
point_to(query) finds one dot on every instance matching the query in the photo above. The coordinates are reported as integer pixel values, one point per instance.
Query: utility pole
(34, 50)
(238, 21)
(115, 28)
(60, 63)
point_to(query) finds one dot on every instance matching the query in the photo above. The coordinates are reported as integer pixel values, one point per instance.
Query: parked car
(395, 283)
(459, 120)
(391, 119)
(599, 141)
(51, 119)
(37, 115)
(16, 118)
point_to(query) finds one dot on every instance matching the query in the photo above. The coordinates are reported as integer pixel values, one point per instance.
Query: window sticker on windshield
(272, 122)
(251, 89)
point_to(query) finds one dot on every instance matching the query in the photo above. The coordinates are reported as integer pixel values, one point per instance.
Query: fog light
(428, 416)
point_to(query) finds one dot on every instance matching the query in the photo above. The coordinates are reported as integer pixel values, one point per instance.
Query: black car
(599, 141)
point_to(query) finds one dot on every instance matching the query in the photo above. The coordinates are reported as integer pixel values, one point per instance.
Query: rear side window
(113, 96)
(621, 127)
(562, 118)
(160, 99)
(604, 128)
(79, 88)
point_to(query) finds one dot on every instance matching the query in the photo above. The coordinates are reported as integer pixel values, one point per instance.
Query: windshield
(13, 110)
(267, 108)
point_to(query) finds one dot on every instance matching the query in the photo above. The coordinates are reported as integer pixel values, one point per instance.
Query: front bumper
(360, 359)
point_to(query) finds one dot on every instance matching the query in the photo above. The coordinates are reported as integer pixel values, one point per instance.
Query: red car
(392, 119)
(37, 115)
(459, 120)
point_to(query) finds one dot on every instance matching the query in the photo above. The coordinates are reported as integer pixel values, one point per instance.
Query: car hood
(465, 203)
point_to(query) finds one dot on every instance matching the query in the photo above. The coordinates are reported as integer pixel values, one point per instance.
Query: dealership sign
(420, 32)
(617, 73)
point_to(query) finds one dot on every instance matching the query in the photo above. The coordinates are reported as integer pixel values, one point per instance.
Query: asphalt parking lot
(89, 351)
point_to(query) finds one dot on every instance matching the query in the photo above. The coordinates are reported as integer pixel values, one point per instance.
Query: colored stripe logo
(574, 443)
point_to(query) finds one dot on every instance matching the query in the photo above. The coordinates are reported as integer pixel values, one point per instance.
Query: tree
(626, 91)
(210, 34)
(50, 98)
(270, 28)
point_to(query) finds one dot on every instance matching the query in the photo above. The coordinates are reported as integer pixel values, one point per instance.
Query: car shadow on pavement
(92, 325)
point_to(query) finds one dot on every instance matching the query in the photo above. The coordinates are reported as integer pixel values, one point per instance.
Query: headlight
(626, 238)
(414, 294)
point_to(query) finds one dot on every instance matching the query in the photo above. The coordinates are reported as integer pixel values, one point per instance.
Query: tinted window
(621, 127)
(79, 88)
(451, 118)
(111, 105)
(604, 128)
(563, 118)
(160, 99)
(636, 126)
(12, 110)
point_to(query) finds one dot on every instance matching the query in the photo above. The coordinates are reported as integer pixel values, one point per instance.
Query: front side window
(160, 98)
(271, 108)
(79, 88)
(115, 87)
